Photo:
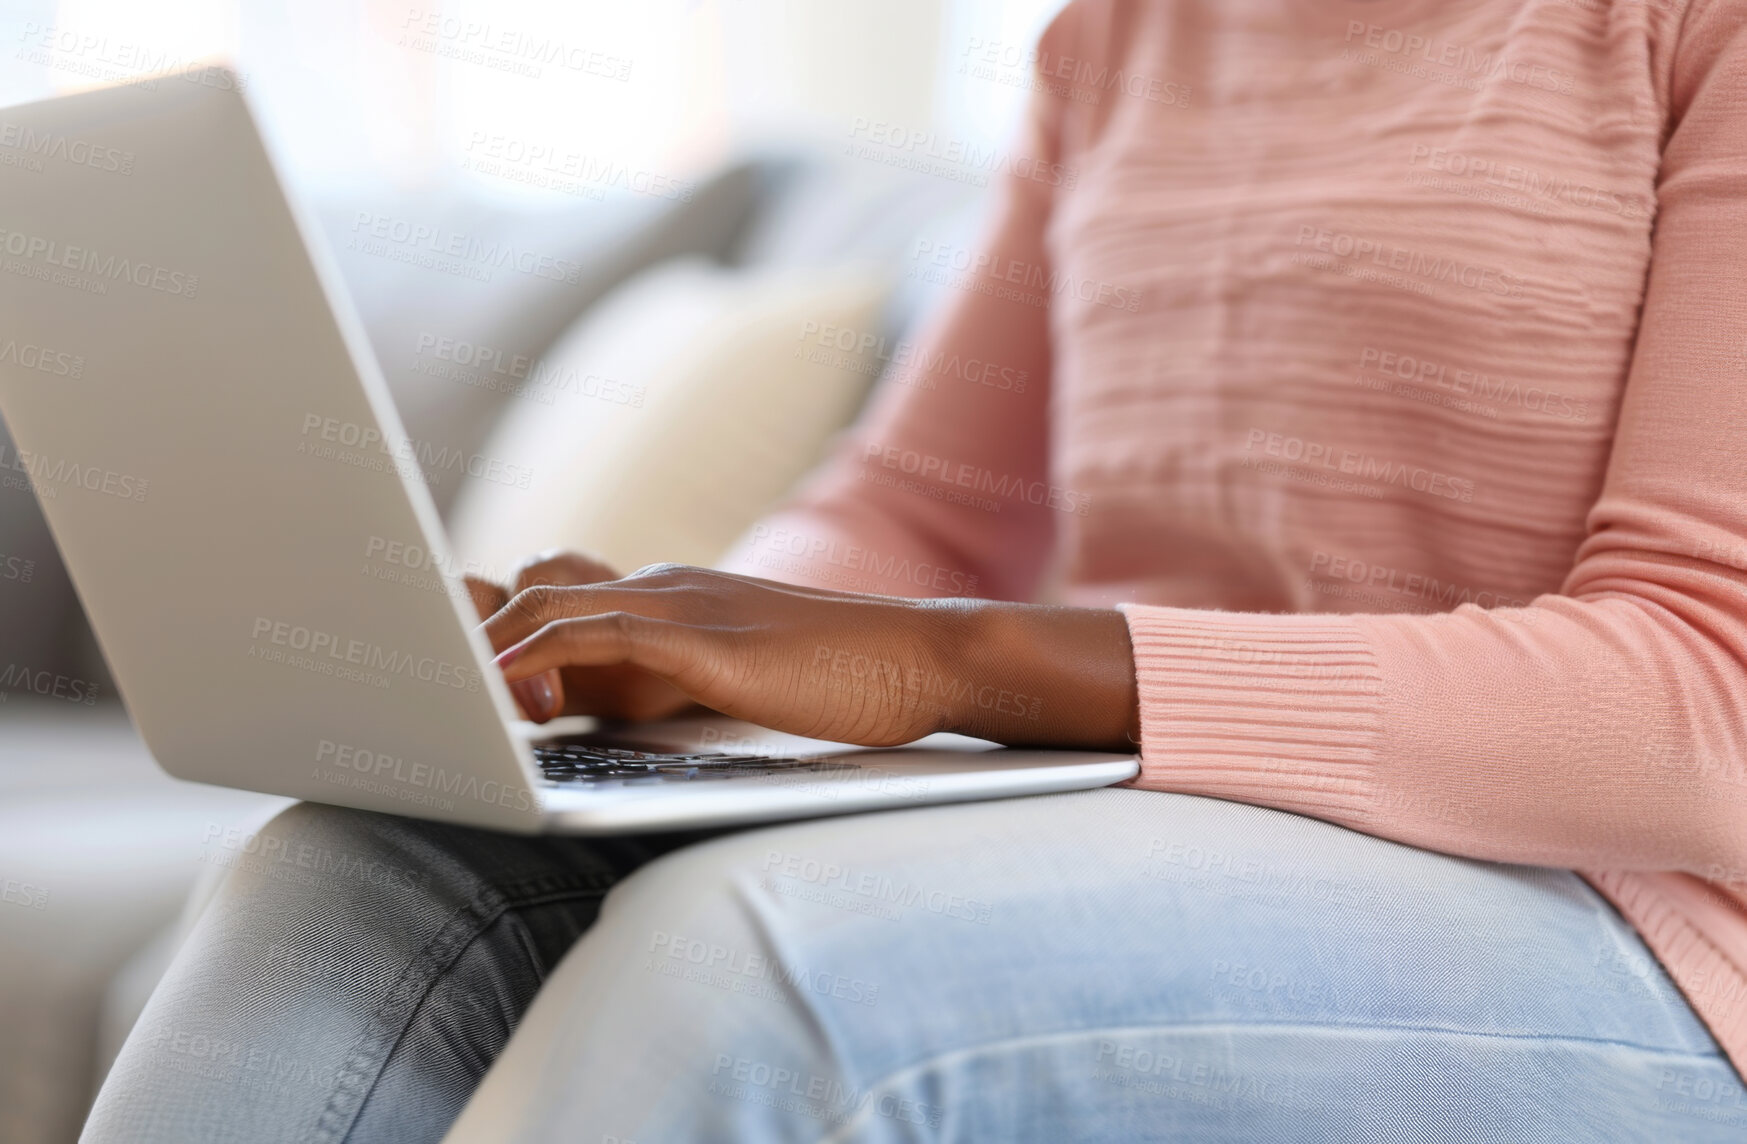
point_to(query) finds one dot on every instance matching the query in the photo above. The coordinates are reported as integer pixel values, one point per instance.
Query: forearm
(1037, 675)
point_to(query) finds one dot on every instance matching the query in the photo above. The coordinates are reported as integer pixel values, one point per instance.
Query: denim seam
(971, 1051)
(357, 1075)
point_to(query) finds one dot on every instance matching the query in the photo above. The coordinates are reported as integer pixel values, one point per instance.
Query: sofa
(688, 335)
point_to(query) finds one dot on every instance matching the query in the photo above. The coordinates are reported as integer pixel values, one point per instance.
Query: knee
(685, 902)
(303, 844)
(724, 883)
(297, 823)
(721, 918)
(739, 993)
(696, 915)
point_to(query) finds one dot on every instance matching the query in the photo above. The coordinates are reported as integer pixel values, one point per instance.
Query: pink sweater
(1387, 362)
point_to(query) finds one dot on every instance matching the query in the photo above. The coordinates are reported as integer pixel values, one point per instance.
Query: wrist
(1038, 675)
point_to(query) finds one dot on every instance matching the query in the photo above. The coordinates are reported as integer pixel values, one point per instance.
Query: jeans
(1105, 965)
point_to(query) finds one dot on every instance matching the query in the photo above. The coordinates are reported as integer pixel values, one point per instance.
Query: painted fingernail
(507, 654)
(535, 696)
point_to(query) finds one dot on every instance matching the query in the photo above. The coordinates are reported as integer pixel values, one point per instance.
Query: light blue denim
(1115, 965)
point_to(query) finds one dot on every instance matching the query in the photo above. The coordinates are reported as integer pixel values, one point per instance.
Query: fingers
(546, 627)
(488, 598)
(554, 566)
(655, 590)
(660, 647)
(527, 612)
(539, 699)
(542, 697)
(560, 567)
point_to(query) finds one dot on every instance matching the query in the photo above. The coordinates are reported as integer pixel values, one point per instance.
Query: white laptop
(226, 478)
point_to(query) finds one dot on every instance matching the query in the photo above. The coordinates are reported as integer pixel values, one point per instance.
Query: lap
(351, 977)
(1113, 964)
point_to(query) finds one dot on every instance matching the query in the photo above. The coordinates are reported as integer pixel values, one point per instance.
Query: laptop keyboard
(568, 763)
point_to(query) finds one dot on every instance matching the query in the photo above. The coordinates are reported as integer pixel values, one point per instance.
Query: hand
(873, 670)
(622, 692)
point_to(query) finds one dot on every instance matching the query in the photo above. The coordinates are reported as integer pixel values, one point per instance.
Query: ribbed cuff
(1661, 907)
(1276, 710)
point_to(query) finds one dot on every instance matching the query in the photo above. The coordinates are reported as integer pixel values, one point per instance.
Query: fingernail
(507, 654)
(535, 696)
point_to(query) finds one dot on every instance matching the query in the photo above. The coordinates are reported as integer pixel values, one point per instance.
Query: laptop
(214, 448)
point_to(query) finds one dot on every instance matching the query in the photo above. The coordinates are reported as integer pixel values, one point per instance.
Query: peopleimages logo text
(381, 767)
(48, 474)
(402, 453)
(487, 254)
(1466, 60)
(364, 655)
(1317, 455)
(1416, 265)
(65, 148)
(27, 355)
(84, 260)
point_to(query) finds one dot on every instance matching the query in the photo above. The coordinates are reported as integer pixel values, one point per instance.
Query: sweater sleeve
(1601, 728)
(941, 488)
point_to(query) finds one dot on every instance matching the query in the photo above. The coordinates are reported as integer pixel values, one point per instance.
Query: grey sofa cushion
(444, 273)
(98, 848)
(827, 210)
(39, 617)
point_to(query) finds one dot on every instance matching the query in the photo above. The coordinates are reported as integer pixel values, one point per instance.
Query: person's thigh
(351, 979)
(1112, 965)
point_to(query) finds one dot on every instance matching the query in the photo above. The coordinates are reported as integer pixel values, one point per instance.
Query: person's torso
(1348, 294)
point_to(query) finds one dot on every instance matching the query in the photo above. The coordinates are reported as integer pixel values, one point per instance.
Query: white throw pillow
(674, 413)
